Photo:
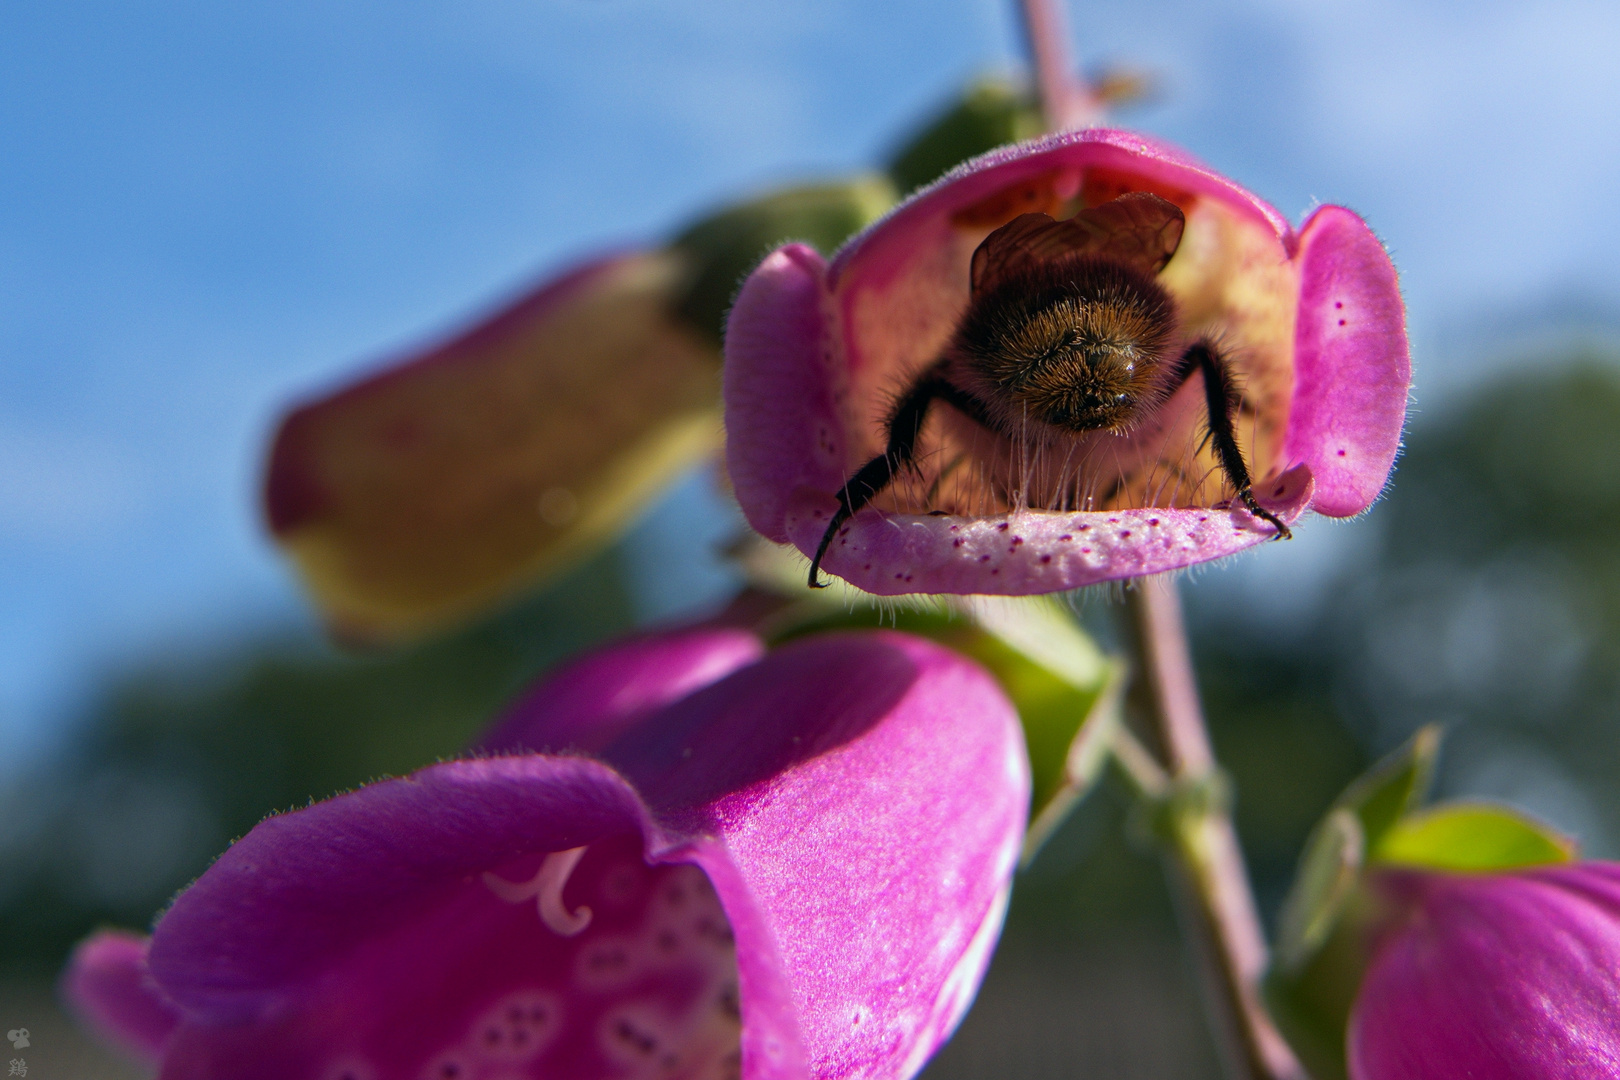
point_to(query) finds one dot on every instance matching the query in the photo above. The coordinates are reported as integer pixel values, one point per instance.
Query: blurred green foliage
(725, 246)
(1279, 735)
(1491, 601)
(991, 113)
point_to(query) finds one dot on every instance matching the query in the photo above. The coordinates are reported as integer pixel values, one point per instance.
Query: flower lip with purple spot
(795, 867)
(817, 352)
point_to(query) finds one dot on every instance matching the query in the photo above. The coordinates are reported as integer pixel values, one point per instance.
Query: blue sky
(208, 210)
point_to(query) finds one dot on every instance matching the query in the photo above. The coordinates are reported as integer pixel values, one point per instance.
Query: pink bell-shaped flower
(791, 864)
(1507, 976)
(822, 357)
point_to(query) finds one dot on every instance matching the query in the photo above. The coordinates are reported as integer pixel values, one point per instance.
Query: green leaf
(1321, 939)
(1311, 1004)
(1044, 630)
(1088, 751)
(1390, 789)
(1068, 693)
(1472, 836)
(992, 113)
(1319, 953)
(1053, 710)
(1327, 876)
(1322, 934)
(725, 246)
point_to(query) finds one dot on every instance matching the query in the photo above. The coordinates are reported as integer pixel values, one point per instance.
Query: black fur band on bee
(1066, 329)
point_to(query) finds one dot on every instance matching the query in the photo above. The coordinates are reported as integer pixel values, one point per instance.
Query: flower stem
(1065, 99)
(1206, 865)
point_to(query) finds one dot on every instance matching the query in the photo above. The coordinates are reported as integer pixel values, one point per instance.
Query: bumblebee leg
(905, 426)
(1221, 400)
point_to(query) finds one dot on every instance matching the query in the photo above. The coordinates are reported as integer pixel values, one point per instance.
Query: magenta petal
(782, 425)
(478, 987)
(855, 804)
(1495, 977)
(290, 899)
(869, 880)
(107, 983)
(587, 703)
(1352, 362)
(1035, 552)
(907, 234)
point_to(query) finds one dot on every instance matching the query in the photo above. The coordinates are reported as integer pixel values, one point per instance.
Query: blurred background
(208, 212)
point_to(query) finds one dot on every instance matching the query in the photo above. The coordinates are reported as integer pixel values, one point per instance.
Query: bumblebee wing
(1138, 228)
(1026, 239)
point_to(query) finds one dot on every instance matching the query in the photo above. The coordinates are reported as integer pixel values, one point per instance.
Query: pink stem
(1065, 99)
(1207, 863)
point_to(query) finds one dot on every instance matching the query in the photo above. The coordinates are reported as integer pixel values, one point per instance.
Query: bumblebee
(1067, 333)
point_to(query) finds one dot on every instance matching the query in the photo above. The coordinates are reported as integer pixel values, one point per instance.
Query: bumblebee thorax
(1075, 344)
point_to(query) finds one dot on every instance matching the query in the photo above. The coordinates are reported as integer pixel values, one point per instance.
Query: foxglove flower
(782, 865)
(1508, 976)
(430, 490)
(425, 492)
(818, 354)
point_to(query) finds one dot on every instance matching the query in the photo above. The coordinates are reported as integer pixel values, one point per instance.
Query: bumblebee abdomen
(1074, 343)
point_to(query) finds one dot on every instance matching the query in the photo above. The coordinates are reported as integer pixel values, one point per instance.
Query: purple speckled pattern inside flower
(816, 354)
(797, 869)
(648, 987)
(1512, 976)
